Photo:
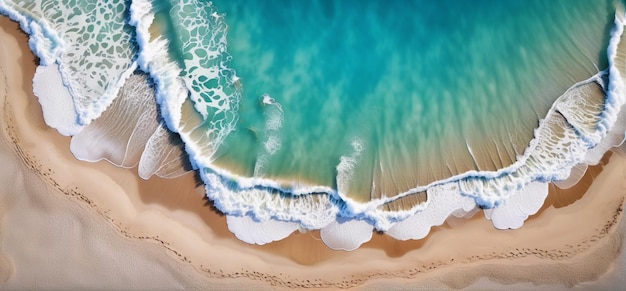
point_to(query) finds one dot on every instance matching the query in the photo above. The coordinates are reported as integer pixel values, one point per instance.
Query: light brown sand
(108, 228)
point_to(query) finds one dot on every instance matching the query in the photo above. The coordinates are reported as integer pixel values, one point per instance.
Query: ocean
(405, 92)
(318, 113)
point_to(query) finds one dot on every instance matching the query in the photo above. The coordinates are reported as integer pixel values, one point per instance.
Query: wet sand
(87, 225)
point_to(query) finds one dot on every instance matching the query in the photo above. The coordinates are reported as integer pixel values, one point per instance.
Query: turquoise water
(418, 84)
(315, 113)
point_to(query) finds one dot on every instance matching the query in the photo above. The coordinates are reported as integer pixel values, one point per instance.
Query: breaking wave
(96, 51)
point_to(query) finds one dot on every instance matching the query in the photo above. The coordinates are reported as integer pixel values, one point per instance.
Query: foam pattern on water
(558, 146)
(260, 233)
(202, 33)
(523, 203)
(198, 97)
(274, 117)
(197, 70)
(90, 41)
(347, 163)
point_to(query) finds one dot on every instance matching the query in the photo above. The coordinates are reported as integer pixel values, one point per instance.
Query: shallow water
(316, 113)
(403, 93)
(89, 39)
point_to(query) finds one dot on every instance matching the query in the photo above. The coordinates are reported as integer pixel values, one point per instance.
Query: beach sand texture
(66, 223)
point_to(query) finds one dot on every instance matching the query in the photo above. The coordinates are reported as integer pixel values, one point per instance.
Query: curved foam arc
(310, 211)
(260, 233)
(238, 201)
(525, 202)
(529, 199)
(558, 145)
(241, 196)
(460, 216)
(56, 101)
(442, 202)
(164, 71)
(43, 41)
(260, 197)
(563, 133)
(614, 138)
(550, 158)
(505, 181)
(170, 92)
(529, 167)
(98, 53)
(153, 58)
(347, 235)
(575, 175)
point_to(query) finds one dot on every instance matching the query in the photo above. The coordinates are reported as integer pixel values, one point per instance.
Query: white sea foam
(563, 139)
(274, 116)
(345, 168)
(56, 102)
(525, 202)
(460, 216)
(94, 62)
(442, 202)
(614, 138)
(310, 211)
(260, 233)
(212, 85)
(205, 67)
(43, 41)
(347, 235)
(153, 58)
(547, 158)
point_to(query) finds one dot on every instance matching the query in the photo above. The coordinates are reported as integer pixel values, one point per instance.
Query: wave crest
(197, 95)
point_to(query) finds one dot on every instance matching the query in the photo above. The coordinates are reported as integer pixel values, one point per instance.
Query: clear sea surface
(332, 107)
(404, 92)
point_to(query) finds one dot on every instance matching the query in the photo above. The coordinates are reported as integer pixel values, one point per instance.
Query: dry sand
(66, 223)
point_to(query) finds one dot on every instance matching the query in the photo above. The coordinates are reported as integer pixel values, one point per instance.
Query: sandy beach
(66, 223)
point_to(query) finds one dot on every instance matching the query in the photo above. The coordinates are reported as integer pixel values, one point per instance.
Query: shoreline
(197, 237)
(252, 192)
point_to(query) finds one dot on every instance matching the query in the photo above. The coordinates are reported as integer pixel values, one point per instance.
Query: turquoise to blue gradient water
(370, 97)
(407, 90)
